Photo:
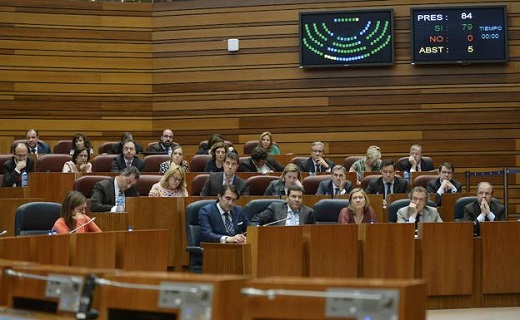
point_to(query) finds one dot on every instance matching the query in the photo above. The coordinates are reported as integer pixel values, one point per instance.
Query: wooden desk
(111, 221)
(376, 202)
(412, 297)
(15, 193)
(229, 258)
(448, 204)
(51, 186)
(4, 283)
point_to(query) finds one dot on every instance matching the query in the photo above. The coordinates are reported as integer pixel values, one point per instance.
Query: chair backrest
(62, 146)
(249, 146)
(311, 183)
(423, 180)
(102, 162)
(145, 183)
(193, 232)
(458, 207)
(153, 162)
(85, 184)
(366, 180)
(4, 158)
(326, 211)
(106, 146)
(198, 183)
(349, 161)
(258, 184)
(198, 162)
(256, 206)
(52, 162)
(299, 161)
(36, 217)
(394, 207)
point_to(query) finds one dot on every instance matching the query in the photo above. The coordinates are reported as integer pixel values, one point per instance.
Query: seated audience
(415, 162)
(260, 162)
(106, 192)
(223, 221)
(445, 183)
(485, 207)
(317, 162)
(337, 184)
(217, 179)
(372, 162)
(266, 142)
(165, 145)
(13, 168)
(218, 154)
(34, 145)
(127, 158)
(176, 158)
(358, 210)
(80, 141)
(119, 148)
(291, 175)
(417, 211)
(289, 213)
(205, 148)
(79, 163)
(172, 184)
(73, 217)
(389, 183)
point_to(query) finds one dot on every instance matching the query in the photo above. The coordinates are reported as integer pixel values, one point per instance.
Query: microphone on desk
(83, 225)
(275, 222)
(3, 232)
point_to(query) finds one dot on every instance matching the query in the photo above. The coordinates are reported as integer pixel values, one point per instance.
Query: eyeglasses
(165, 136)
(317, 151)
(447, 172)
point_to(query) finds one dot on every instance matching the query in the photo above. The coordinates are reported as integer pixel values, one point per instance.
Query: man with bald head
(484, 208)
(14, 167)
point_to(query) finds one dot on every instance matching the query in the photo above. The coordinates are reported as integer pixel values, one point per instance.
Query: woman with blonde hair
(358, 210)
(291, 175)
(372, 162)
(172, 184)
(176, 158)
(266, 142)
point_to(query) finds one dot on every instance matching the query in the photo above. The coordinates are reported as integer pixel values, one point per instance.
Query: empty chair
(105, 147)
(349, 161)
(198, 162)
(311, 183)
(153, 162)
(326, 211)
(458, 207)
(52, 162)
(145, 183)
(256, 206)
(193, 234)
(102, 162)
(62, 147)
(198, 183)
(423, 180)
(258, 184)
(36, 218)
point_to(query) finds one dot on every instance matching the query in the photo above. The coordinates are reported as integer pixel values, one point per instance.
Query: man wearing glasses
(317, 163)
(417, 211)
(165, 145)
(14, 167)
(445, 183)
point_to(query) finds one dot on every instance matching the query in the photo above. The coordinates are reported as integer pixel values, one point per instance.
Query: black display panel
(346, 38)
(459, 34)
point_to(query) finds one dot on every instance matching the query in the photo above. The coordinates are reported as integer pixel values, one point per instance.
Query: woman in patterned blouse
(172, 184)
(177, 158)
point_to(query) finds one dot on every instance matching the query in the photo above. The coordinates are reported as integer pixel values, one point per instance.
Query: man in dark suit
(118, 147)
(217, 179)
(128, 158)
(485, 208)
(416, 162)
(106, 192)
(14, 167)
(444, 184)
(34, 145)
(337, 184)
(317, 162)
(260, 162)
(389, 183)
(165, 145)
(222, 221)
(289, 213)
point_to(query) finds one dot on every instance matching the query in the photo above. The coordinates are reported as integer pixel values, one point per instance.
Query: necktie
(336, 191)
(388, 189)
(33, 150)
(228, 181)
(169, 150)
(417, 218)
(128, 163)
(229, 225)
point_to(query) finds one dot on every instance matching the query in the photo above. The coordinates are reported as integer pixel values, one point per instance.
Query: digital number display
(459, 34)
(346, 38)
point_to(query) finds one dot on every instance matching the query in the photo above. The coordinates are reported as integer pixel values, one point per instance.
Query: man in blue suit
(34, 145)
(222, 221)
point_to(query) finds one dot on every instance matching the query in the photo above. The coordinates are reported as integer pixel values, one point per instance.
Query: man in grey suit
(337, 184)
(417, 211)
(289, 213)
(217, 179)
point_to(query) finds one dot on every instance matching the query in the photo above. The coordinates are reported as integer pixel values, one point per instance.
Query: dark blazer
(275, 188)
(308, 166)
(278, 211)
(159, 147)
(42, 148)
(212, 227)
(118, 148)
(104, 195)
(433, 185)
(214, 183)
(211, 166)
(472, 211)
(378, 186)
(249, 166)
(11, 176)
(326, 189)
(425, 165)
(119, 163)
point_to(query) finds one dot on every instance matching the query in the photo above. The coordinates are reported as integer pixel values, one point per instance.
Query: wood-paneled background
(103, 68)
